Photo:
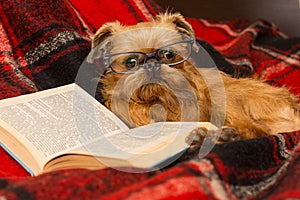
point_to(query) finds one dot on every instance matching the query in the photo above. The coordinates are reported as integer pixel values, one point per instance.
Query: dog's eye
(131, 62)
(167, 54)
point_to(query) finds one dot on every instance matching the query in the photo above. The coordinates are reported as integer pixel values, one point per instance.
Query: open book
(65, 127)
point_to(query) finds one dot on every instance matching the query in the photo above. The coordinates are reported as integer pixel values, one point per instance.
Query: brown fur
(253, 108)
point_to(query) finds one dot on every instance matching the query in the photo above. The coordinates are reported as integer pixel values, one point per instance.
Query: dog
(150, 77)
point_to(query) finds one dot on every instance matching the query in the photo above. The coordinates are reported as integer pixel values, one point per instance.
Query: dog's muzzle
(153, 69)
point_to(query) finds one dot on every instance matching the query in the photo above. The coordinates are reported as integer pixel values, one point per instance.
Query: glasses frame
(107, 58)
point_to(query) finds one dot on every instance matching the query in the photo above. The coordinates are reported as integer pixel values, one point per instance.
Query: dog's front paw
(196, 138)
(228, 134)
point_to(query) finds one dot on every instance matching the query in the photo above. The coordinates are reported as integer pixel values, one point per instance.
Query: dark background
(284, 13)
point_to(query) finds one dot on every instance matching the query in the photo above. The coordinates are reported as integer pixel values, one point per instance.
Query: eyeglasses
(129, 62)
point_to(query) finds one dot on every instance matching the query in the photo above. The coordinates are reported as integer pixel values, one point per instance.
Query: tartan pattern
(43, 44)
(38, 44)
(255, 48)
(264, 168)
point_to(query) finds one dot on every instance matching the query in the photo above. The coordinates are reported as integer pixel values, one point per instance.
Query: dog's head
(148, 76)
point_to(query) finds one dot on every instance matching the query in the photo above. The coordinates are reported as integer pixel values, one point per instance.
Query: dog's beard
(140, 98)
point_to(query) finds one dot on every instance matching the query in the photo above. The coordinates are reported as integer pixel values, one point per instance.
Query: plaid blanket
(43, 44)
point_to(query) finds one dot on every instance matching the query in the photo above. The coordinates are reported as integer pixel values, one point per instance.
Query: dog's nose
(153, 68)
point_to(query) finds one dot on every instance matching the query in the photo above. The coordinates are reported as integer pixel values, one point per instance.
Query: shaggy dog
(150, 77)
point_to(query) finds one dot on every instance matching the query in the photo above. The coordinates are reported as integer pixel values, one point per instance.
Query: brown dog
(150, 78)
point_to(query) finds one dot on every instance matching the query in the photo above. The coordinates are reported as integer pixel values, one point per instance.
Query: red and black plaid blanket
(43, 44)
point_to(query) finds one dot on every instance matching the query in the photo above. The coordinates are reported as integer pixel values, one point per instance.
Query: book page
(55, 121)
(144, 139)
(145, 146)
(68, 120)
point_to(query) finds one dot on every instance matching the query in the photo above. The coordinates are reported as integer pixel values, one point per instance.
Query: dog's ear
(178, 20)
(106, 31)
(181, 25)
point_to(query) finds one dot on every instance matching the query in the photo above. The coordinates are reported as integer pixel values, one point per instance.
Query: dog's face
(148, 76)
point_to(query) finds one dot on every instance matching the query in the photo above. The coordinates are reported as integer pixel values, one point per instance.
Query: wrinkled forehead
(144, 38)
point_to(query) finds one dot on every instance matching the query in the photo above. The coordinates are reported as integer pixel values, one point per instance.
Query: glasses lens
(175, 53)
(125, 62)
